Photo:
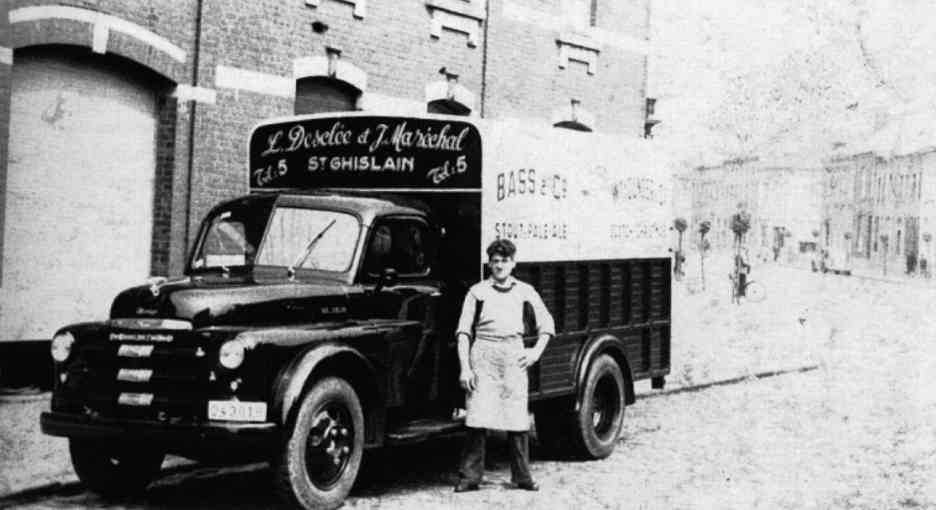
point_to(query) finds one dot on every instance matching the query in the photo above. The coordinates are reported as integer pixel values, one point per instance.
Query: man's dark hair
(502, 247)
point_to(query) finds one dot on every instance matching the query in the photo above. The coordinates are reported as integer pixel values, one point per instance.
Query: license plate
(135, 351)
(232, 410)
(135, 399)
(134, 375)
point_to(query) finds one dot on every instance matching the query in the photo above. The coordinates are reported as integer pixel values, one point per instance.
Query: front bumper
(221, 433)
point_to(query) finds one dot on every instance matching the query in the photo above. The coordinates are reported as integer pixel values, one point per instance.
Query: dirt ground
(859, 431)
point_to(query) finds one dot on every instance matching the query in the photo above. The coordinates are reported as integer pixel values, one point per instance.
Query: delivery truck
(315, 317)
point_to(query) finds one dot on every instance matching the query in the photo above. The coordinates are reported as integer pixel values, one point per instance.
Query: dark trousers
(472, 462)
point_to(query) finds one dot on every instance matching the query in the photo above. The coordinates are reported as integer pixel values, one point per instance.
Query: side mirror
(387, 279)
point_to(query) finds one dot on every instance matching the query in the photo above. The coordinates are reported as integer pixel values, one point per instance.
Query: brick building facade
(882, 207)
(122, 122)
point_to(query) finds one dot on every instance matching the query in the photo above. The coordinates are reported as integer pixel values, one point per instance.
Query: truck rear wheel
(321, 455)
(114, 470)
(598, 423)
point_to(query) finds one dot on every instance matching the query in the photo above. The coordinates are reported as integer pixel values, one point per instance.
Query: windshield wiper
(291, 270)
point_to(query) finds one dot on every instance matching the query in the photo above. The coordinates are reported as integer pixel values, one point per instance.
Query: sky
(739, 78)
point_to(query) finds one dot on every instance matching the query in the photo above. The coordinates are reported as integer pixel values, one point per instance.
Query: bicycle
(751, 290)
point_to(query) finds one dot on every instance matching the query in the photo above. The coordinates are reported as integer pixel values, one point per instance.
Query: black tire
(320, 456)
(114, 470)
(600, 418)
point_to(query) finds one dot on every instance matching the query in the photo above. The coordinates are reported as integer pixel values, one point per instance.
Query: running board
(418, 431)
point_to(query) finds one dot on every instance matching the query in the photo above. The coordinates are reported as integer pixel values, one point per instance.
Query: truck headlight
(62, 346)
(231, 354)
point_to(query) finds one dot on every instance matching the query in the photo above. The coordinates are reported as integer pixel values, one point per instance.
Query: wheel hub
(605, 405)
(328, 448)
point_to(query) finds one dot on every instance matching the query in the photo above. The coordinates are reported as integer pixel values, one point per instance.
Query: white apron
(499, 400)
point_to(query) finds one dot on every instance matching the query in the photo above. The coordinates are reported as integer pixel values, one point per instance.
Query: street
(858, 431)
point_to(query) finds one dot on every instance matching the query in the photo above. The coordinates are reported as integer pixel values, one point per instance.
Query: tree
(680, 225)
(704, 245)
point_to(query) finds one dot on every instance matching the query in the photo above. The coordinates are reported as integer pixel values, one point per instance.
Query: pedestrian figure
(494, 363)
(739, 275)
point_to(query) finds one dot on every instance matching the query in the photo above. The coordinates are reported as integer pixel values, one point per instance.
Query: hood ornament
(155, 283)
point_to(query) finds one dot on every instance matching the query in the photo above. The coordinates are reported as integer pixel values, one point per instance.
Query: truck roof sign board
(559, 194)
(365, 152)
(563, 195)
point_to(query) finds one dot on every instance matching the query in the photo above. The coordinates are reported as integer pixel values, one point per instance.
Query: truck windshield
(231, 239)
(292, 229)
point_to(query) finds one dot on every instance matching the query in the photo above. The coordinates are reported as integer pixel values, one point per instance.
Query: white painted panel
(79, 198)
(564, 195)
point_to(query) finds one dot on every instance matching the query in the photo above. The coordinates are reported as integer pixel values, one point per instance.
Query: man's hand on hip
(529, 357)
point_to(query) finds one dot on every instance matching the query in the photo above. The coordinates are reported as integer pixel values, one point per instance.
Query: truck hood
(235, 300)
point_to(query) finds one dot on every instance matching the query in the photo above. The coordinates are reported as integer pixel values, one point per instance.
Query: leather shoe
(465, 487)
(528, 486)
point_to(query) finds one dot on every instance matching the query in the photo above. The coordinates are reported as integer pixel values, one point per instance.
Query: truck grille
(162, 375)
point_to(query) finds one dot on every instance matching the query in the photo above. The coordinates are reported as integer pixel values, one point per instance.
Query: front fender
(604, 344)
(292, 380)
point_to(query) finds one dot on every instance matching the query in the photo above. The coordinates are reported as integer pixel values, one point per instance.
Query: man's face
(501, 266)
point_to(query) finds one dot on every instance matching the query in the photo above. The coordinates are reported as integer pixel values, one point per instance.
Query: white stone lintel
(102, 25)
(99, 38)
(390, 105)
(360, 6)
(197, 94)
(455, 92)
(306, 67)
(228, 77)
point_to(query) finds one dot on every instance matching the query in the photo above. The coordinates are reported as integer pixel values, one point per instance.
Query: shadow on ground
(389, 471)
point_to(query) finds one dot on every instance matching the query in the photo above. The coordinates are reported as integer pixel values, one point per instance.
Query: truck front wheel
(600, 417)
(321, 456)
(114, 470)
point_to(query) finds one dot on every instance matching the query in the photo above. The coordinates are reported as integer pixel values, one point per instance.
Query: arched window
(319, 94)
(448, 107)
(573, 117)
(449, 97)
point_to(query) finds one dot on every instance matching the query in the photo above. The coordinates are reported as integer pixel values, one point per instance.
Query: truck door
(406, 245)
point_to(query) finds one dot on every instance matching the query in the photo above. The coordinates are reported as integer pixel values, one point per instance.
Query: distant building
(880, 200)
(782, 198)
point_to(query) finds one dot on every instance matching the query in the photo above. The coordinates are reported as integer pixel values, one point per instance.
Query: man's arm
(466, 376)
(545, 329)
(463, 334)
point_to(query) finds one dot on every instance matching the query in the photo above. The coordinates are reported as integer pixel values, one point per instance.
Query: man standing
(493, 367)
